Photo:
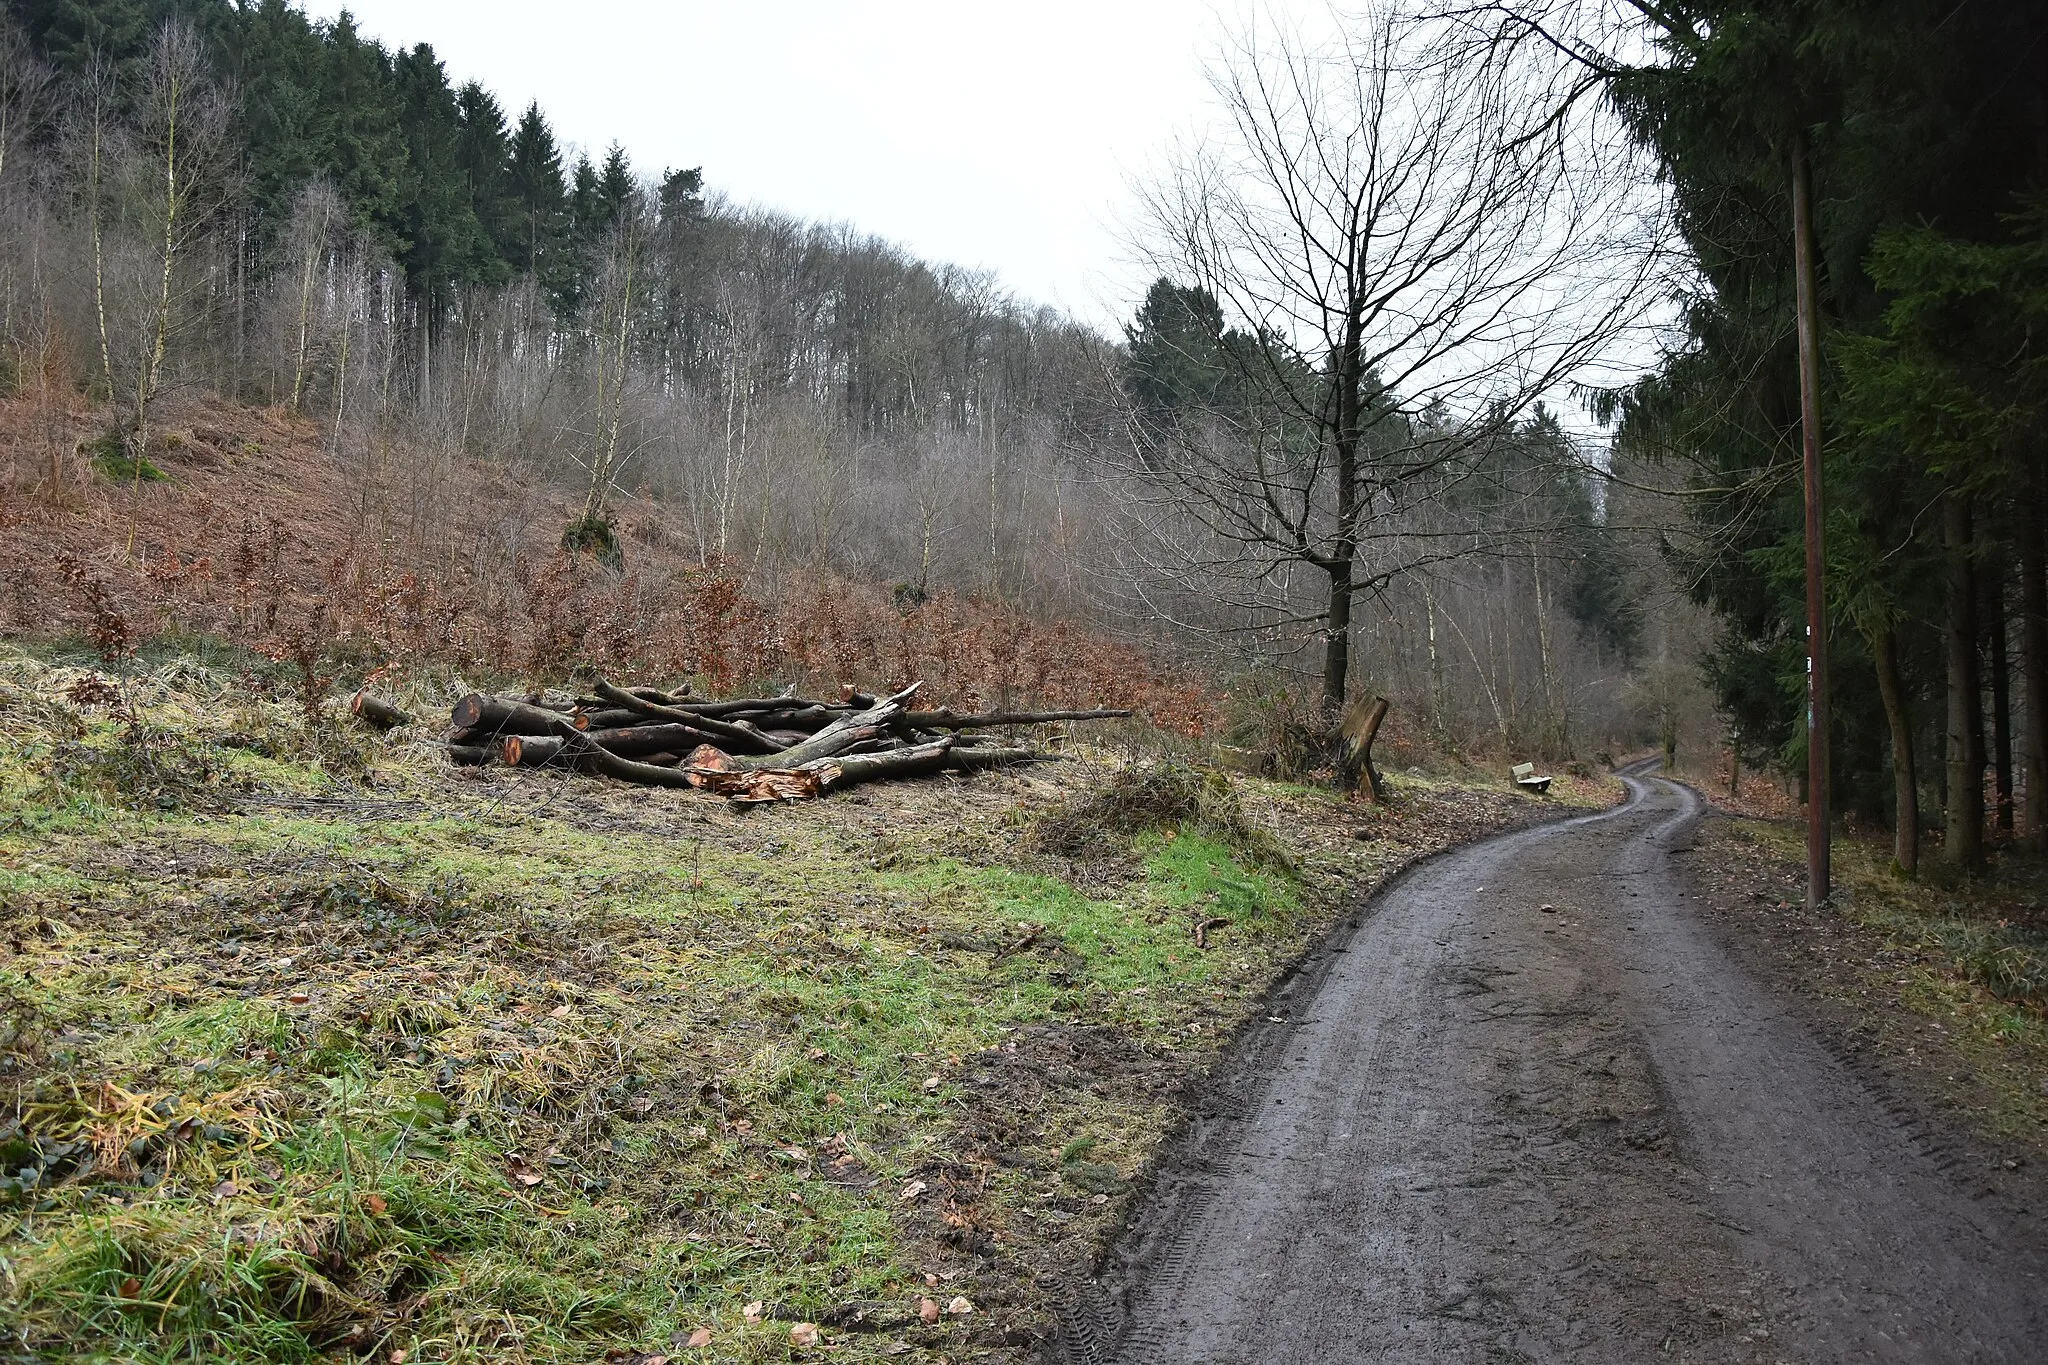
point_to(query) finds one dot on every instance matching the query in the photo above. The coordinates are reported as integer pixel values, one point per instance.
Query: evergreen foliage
(1927, 124)
(430, 170)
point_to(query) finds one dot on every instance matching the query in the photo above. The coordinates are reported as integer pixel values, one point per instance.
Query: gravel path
(1528, 1110)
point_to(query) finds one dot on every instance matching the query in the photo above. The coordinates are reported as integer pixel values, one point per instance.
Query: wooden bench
(1526, 778)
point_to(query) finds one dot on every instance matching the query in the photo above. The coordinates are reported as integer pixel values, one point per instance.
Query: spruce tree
(538, 195)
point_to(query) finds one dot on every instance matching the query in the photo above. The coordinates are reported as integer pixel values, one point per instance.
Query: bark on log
(531, 751)
(915, 761)
(809, 718)
(945, 719)
(374, 710)
(836, 738)
(497, 715)
(633, 741)
(625, 769)
(739, 732)
(603, 717)
(472, 755)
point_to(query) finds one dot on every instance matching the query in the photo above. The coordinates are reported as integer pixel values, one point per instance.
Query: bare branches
(1418, 251)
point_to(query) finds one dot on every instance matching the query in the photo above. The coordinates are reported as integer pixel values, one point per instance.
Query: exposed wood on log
(530, 751)
(603, 717)
(749, 749)
(498, 715)
(374, 710)
(838, 737)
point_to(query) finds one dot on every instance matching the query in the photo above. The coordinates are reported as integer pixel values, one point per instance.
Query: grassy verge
(1954, 977)
(312, 1046)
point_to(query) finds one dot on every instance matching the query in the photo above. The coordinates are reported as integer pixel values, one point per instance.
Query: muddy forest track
(1526, 1108)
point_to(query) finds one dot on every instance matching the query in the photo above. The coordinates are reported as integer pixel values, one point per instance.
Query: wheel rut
(1528, 1109)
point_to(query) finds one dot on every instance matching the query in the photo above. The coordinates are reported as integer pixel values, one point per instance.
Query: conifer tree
(538, 194)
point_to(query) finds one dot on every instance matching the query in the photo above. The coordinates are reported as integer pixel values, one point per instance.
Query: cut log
(603, 717)
(914, 761)
(374, 710)
(625, 769)
(530, 751)
(633, 741)
(498, 715)
(472, 755)
(741, 732)
(809, 718)
(945, 719)
(836, 738)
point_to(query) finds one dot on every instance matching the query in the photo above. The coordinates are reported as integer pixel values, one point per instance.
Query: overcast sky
(993, 136)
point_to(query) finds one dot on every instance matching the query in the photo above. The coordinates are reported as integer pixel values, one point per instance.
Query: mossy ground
(1951, 980)
(317, 1048)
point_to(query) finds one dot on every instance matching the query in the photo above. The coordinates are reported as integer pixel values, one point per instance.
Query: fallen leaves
(804, 1335)
(375, 1204)
(959, 1307)
(699, 1339)
(912, 1191)
(928, 1310)
(520, 1173)
(752, 1312)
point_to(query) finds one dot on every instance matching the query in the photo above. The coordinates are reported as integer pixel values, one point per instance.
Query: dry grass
(320, 1047)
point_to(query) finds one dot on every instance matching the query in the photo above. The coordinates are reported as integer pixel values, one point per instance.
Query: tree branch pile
(748, 750)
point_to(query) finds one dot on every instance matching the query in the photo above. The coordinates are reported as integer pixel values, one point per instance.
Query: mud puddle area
(1526, 1107)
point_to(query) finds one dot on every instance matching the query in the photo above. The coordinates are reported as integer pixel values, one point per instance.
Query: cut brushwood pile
(749, 750)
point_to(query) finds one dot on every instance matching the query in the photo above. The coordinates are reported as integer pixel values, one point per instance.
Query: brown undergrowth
(260, 535)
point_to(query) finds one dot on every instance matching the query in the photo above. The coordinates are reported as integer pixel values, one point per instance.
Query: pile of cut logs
(747, 749)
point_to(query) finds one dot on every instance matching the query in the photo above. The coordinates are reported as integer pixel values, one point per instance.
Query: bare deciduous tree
(1418, 252)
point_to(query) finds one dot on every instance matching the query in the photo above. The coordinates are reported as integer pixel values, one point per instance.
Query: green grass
(477, 1080)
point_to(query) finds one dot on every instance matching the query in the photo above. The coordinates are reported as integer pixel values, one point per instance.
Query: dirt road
(1527, 1109)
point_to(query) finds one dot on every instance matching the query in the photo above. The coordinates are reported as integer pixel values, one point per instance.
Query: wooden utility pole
(1817, 834)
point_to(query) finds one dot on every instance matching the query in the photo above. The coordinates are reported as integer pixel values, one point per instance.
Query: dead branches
(748, 750)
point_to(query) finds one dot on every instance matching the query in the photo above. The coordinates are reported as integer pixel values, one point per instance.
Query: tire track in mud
(1525, 1108)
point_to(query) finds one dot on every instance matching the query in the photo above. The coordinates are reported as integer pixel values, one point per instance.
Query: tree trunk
(2034, 665)
(1354, 749)
(2001, 707)
(1884, 649)
(1819, 802)
(1337, 640)
(1965, 814)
